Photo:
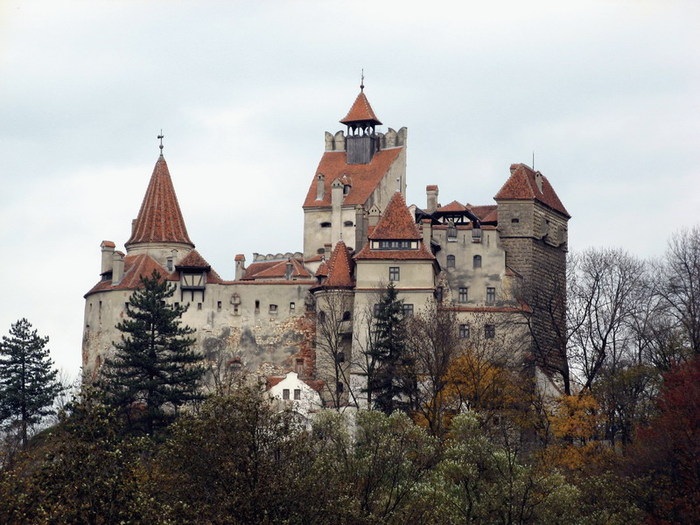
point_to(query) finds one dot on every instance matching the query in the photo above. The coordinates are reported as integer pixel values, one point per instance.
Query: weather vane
(160, 137)
(362, 80)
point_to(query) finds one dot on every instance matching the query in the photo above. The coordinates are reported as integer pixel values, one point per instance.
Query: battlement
(390, 139)
(260, 257)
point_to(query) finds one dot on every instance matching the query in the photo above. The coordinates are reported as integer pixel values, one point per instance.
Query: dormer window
(346, 189)
(194, 282)
(395, 245)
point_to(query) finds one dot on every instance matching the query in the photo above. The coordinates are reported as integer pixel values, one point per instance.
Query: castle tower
(357, 170)
(532, 223)
(159, 230)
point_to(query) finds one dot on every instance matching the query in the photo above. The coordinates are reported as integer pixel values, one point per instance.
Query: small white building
(301, 396)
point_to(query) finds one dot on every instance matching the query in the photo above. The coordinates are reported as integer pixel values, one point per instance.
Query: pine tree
(392, 384)
(28, 383)
(154, 371)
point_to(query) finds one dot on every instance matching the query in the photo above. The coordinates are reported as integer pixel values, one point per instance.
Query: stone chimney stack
(107, 252)
(117, 267)
(427, 227)
(240, 266)
(432, 196)
(289, 268)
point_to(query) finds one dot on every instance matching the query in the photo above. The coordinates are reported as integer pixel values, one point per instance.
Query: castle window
(515, 220)
(299, 366)
(169, 264)
(477, 261)
(489, 331)
(340, 358)
(476, 235)
(463, 296)
(348, 223)
(218, 305)
(177, 305)
(321, 251)
(236, 311)
(257, 306)
(346, 316)
(490, 295)
(297, 394)
(292, 307)
(394, 273)
(325, 224)
(451, 233)
(346, 189)
(273, 308)
(395, 245)
(285, 393)
(199, 306)
(375, 310)
(464, 331)
(407, 310)
(450, 261)
(126, 305)
(321, 316)
(340, 388)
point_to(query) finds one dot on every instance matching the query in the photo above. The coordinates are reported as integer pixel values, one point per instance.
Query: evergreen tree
(28, 383)
(393, 384)
(154, 371)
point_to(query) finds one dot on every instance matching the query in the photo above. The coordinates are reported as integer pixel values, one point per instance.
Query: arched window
(477, 261)
(450, 261)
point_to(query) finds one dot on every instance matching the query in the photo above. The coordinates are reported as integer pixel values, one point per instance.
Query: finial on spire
(362, 80)
(160, 137)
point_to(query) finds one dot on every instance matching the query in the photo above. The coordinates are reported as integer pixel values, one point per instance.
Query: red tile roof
(396, 222)
(522, 185)
(160, 218)
(365, 177)
(135, 267)
(195, 260)
(108, 244)
(483, 211)
(322, 270)
(421, 254)
(276, 270)
(361, 111)
(453, 206)
(339, 268)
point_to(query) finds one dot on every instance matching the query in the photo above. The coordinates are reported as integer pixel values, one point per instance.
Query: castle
(498, 267)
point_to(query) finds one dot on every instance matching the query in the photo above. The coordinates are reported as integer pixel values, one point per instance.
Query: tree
(394, 383)
(155, 371)
(434, 344)
(28, 383)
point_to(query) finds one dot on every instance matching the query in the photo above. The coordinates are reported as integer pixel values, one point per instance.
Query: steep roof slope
(522, 185)
(361, 111)
(396, 222)
(160, 218)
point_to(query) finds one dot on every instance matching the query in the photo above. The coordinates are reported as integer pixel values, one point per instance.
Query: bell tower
(362, 141)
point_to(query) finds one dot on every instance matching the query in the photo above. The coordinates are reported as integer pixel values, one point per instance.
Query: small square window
(464, 331)
(292, 307)
(199, 306)
(407, 310)
(394, 273)
(273, 308)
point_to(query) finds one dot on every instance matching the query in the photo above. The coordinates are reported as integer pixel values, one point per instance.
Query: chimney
(432, 195)
(117, 267)
(240, 266)
(328, 248)
(320, 189)
(288, 270)
(107, 251)
(427, 227)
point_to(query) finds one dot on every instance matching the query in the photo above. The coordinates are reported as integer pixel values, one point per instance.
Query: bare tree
(678, 285)
(433, 340)
(605, 287)
(333, 345)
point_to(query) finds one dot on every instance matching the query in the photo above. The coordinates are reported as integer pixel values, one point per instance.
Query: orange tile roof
(396, 222)
(365, 177)
(160, 218)
(361, 111)
(339, 268)
(135, 267)
(483, 211)
(108, 244)
(421, 254)
(322, 270)
(195, 260)
(522, 185)
(453, 206)
(276, 270)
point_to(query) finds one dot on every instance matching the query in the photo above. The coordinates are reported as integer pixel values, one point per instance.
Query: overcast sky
(606, 94)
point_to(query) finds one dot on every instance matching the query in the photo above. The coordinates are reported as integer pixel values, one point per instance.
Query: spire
(160, 219)
(361, 114)
(339, 268)
(396, 222)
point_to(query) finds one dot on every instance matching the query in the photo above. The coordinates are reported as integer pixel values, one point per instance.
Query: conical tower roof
(160, 219)
(396, 222)
(361, 112)
(340, 268)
